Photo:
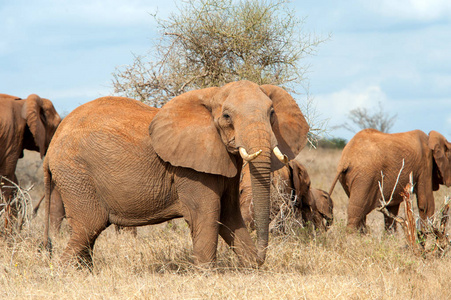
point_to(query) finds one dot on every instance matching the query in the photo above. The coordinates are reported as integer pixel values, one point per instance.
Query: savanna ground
(156, 264)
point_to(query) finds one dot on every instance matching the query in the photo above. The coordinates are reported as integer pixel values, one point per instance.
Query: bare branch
(383, 202)
(362, 118)
(417, 232)
(15, 211)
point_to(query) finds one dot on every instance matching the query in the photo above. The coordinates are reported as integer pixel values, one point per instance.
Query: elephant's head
(207, 130)
(324, 206)
(42, 121)
(441, 152)
(316, 205)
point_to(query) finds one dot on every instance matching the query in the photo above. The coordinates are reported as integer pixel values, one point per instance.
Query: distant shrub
(30, 173)
(332, 143)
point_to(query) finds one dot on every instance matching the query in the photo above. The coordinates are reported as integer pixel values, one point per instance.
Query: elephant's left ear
(290, 126)
(441, 150)
(31, 111)
(183, 133)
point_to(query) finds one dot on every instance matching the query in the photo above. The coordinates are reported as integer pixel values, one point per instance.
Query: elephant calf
(371, 152)
(312, 207)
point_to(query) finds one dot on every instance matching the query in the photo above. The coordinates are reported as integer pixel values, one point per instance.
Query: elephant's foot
(357, 228)
(78, 259)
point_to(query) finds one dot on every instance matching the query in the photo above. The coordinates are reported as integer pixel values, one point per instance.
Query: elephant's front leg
(425, 199)
(234, 231)
(201, 210)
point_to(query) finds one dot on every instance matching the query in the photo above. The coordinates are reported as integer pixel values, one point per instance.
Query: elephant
(115, 160)
(24, 124)
(371, 152)
(312, 207)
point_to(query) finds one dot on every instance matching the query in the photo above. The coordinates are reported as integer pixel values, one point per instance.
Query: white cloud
(417, 10)
(335, 106)
(92, 12)
(341, 102)
(51, 22)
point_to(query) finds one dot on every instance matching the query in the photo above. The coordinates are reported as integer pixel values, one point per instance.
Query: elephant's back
(106, 113)
(105, 123)
(109, 110)
(370, 151)
(375, 145)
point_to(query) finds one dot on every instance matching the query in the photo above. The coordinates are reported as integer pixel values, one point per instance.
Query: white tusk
(282, 157)
(249, 157)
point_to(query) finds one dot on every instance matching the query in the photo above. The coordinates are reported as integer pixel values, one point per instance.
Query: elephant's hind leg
(86, 222)
(361, 203)
(80, 246)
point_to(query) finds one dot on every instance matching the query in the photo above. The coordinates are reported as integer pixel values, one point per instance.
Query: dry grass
(156, 264)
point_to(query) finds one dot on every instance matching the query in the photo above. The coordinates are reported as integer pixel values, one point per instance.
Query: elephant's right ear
(183, 133)
(301, 179)
(441, 150)
(290, 127)
(323, 203)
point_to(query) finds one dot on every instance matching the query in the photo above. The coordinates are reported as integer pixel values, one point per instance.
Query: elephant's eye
(272, 115)
(227, 117)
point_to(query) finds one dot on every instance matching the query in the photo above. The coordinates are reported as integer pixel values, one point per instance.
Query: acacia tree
(213, 42)
(362, 118)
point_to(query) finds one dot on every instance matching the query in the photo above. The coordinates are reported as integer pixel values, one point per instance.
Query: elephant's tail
(337, 176)
(47, 244)
(36, 207)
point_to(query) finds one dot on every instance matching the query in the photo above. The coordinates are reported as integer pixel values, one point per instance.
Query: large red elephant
(110, 167)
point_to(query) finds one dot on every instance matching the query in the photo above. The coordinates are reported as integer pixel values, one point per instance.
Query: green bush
(331, 143)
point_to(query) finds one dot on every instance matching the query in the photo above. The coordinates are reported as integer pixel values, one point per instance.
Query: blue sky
(395, 52)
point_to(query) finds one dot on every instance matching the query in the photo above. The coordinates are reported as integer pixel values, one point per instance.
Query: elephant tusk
(249, 157)
(282, 157)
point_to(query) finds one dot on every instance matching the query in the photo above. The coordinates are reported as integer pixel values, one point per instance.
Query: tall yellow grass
(157, 264)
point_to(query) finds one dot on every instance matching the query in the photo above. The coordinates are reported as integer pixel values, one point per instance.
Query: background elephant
(110, 167)
(24, 124)
(369, 152)
(291, 187)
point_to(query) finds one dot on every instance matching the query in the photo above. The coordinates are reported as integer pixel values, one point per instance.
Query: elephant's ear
(290, 127)
(42, 120)
(441, 151)
(31, 111)
(301, 180)
(323, 203)
(183, 133)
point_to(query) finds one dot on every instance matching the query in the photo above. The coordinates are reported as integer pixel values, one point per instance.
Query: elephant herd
(209, 156)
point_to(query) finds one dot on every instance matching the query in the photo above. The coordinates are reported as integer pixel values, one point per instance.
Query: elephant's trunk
(329, 222)
(260, 169)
